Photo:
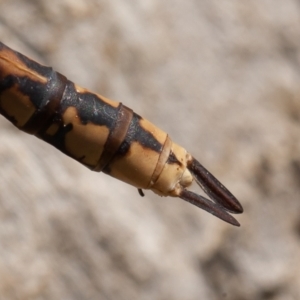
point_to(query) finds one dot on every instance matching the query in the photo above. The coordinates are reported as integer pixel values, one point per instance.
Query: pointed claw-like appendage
(214, 188)
(209, 206)
(223, 202)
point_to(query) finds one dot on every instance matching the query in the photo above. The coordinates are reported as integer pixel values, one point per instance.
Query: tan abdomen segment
(104, 135)
(97, 132)
(145, 140)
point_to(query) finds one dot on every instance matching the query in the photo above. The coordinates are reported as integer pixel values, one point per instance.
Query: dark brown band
(55, 87)
(116, 136)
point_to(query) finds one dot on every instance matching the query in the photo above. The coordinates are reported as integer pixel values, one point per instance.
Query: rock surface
(222, 78)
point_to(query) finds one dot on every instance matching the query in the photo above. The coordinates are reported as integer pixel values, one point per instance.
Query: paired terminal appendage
(221, 202)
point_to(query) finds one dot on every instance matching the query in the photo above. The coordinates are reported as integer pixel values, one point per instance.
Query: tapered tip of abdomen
(214, 188)
(209, 206)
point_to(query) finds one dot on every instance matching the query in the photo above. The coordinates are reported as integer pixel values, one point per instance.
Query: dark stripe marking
(172, 159)
(44, 115)
(90, 107)
(137, 133)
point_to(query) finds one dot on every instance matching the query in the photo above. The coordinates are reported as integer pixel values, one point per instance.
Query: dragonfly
(104, 135)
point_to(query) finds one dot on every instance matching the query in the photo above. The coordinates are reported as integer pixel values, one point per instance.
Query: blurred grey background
(223, 79)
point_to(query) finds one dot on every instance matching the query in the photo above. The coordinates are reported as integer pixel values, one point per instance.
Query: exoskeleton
(104, 135)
